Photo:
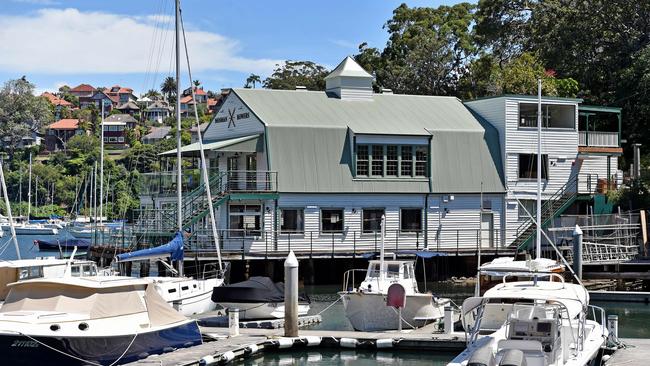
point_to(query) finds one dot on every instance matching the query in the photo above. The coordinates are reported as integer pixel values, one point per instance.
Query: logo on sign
(231, 118)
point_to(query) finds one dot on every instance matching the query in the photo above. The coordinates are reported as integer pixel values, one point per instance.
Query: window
(105, 139)
(120, 139)
(112, 139)
(528, 166)
(331, 220)
(553, 115)
(378, 160)
(526, 205)
(362, 160)
(292, 220)
(392, 161)
(407, 161)
(372, 219)
(245, 220)
(411, 220)
(421, 161)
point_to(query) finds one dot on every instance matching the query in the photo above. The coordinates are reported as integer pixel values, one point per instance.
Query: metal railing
(598, 139)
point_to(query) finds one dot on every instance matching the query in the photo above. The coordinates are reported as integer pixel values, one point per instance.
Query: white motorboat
(365, 306)
(28, 228)
(256, 298)
(89, 320)
(81, 231)
(534, 323)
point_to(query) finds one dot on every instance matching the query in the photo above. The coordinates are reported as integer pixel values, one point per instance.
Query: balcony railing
(598, 139)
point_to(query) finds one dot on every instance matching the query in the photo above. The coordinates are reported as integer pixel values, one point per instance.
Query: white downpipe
(9, 215)
(538, 249)
(204, 166)
(382, 265)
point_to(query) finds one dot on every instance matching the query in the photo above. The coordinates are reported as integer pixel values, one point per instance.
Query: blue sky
(103, 43)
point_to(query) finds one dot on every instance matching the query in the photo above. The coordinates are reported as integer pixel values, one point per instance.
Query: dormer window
(392, 161)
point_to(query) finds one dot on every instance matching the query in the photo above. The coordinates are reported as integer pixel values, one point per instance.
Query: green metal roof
(310, 144)
(251, 143)
(524, 96)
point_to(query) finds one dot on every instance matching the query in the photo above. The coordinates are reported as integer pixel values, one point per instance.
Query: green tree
(168, 88)
(153, 93)
(21, 113)
(252, 79)
(297, 73)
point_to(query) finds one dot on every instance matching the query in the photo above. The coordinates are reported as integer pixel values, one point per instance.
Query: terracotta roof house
(130, 121)
(56, 101)
(100, 97)
(120, 94)
(156, 134)
(199, 93)
(83, 91)
(59, 132)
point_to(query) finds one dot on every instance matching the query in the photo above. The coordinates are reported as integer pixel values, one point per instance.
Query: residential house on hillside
(213, 104)
(144, 102)
(317, 170)
(194, 131)
(119, 94)
(85, 93)
(58, 103)
(157, 111)
(114, 134)
(187, 106)
(156, 134)
(130, 121)
(100, 97)
(59, 132)
(199, 93)
(130, 108)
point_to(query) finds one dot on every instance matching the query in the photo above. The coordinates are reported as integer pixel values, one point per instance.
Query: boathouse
(314, 171)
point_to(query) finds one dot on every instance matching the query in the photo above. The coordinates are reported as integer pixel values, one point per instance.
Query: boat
(538, 322)
(64, 244)
(492, 273)
(81, 231)
(189, 296)
(89, 320)
(28, 228)
(256, 298)
(366, 307)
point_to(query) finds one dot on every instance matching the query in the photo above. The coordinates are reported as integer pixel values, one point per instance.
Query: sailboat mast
(29, 189)
(101, 170)
(538, 249)
(179, 177)
(9, 216)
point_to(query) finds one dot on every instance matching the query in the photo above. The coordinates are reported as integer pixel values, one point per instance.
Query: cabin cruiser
(491, 273)
(256, 298)
(187, 295)
(538, 322)
(365, 306)
(89, 320)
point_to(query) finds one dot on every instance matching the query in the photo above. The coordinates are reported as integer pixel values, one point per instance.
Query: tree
(252, 79)
(21, 113)
(297, 73)
(168, 88)
(196, 83)
(154, 94)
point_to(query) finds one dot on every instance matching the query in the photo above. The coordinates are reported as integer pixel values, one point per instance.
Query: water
(347, 357)
(27, 248)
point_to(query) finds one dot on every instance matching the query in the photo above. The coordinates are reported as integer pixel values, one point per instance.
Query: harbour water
(330, 357)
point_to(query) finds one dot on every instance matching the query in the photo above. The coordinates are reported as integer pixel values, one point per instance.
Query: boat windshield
(392, 270)
(30, 272)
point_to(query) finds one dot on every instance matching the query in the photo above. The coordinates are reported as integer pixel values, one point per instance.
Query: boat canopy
(253, 290)
(173, 249)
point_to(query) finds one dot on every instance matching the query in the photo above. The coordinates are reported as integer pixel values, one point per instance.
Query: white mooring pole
(577, 252)
(291, 296)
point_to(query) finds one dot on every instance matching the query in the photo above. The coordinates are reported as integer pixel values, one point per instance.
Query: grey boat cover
(253, 290)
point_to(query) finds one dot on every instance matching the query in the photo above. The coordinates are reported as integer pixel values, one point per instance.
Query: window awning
(251, 143)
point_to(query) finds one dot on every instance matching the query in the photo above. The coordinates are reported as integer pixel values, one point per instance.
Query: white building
(315, 171)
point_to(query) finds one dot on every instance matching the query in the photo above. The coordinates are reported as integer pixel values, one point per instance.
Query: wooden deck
(637, 352)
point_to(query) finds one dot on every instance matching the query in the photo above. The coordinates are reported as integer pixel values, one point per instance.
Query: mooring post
(577, 252)
(291, 296)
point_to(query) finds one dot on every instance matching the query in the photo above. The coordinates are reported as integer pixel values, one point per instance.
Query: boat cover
(253, 290)
(173, 249)
(64, 243)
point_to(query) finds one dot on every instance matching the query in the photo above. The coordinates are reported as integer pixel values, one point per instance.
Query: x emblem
(231, 120)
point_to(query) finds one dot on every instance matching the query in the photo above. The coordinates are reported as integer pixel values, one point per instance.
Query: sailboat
(187, 295)
(532, 317)
(366, 308)
(27, 228)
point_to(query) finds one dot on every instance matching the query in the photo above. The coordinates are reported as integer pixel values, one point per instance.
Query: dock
(620, 296)
(636, 352)
(252, 340)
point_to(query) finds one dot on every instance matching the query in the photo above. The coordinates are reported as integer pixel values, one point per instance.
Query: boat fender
(285, 343)
(348, 342)
(312, 341)
(206, 360)
(385, 343)
(251, 349)
(227, 357)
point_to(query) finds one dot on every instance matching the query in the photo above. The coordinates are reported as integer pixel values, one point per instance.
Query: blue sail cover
(173, 249)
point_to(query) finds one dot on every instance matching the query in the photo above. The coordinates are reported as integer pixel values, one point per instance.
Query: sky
(130, 42)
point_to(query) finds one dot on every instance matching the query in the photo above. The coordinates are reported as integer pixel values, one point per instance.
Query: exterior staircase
(553, 207)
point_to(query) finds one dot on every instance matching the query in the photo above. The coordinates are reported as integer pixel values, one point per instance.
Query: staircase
(552, 208)
(195, 204)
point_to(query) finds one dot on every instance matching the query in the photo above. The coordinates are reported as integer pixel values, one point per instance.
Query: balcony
(598, 139)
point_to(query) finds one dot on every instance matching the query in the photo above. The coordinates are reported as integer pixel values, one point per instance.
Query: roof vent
(301, 87)
(386, 91)
(349, 81)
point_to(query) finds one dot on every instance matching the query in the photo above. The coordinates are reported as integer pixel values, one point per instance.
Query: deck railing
(598, 139)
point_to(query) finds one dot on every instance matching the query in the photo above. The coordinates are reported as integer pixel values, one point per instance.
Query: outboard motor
(482, 357)
(513, 357)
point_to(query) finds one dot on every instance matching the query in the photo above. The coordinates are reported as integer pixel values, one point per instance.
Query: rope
(73, 356)
(329, 306)
(404, 320)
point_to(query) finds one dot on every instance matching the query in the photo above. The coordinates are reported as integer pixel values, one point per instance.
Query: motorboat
(189, 296)
(81, 231)
(535, 323)
(29, 228)
(491, 273)
(256, 298)
(89, 320)
(62, 244)
(365, 305)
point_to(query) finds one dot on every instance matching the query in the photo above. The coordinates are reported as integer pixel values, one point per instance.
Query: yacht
(89, 320)
(256, 298)
(534, 323)
(365, 306)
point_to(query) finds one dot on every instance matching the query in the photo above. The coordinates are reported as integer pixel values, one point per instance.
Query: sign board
(396, 296)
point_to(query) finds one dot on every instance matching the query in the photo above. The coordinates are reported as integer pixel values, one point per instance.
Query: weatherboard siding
(247, 124)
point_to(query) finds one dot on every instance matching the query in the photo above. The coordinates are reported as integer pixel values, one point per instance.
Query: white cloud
(69, 41)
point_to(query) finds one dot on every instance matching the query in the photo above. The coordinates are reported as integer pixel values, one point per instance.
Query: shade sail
(173, 249)
(250, 143)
